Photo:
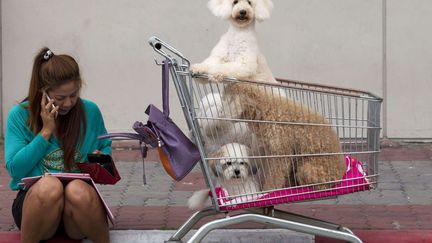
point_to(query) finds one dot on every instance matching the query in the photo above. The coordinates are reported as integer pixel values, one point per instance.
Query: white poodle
(217, 132)
(237, 53)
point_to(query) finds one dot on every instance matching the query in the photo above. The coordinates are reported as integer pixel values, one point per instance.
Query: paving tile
(156, 202)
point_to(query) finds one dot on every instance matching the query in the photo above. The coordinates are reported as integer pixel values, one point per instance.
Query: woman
(49, 132)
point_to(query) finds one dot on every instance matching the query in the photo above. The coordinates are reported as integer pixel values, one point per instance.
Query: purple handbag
(176, 151)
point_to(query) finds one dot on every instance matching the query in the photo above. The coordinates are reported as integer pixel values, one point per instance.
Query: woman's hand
(48, 115)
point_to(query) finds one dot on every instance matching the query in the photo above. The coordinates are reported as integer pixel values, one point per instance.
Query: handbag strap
(165, 87)
(133, 136)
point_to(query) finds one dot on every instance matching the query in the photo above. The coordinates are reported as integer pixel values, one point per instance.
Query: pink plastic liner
(354, 180)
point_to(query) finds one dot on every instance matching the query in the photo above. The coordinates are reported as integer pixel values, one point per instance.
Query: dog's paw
(198, 199)
(199, 68)
(216, 77)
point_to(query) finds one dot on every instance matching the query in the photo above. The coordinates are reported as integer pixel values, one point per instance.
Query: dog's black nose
(237, 172)
(243, 13)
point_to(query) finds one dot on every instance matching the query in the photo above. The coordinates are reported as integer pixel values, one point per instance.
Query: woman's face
(65, 96)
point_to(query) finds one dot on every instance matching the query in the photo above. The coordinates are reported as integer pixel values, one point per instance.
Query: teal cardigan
(28, 154)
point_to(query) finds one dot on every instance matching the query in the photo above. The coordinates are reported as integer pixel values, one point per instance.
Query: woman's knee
(78, 192)
(47, 190)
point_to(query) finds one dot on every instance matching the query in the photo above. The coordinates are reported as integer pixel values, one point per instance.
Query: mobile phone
(99, 158)
(103, 159)
(49, 100)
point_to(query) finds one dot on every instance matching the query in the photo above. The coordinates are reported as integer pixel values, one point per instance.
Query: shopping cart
(353, 115)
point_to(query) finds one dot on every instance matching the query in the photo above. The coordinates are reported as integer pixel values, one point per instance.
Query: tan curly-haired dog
(308, 143)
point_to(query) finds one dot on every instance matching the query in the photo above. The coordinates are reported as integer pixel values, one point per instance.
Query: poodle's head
(241, 12)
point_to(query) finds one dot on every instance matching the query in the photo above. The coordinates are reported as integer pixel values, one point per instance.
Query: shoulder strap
(165, 87)
(133, 136)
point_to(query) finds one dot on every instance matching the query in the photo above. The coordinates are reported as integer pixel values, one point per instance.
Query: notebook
(66, 177)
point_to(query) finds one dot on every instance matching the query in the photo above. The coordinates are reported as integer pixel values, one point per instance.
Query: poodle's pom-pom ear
(263, 9)
(220, 8)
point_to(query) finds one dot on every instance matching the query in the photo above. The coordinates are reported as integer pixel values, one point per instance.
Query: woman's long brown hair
(50, 74)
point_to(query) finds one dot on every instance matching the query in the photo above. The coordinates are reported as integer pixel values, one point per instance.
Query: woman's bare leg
(42, 210)
(84, 214)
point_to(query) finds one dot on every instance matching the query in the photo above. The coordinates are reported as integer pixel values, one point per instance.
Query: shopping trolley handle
(155, 42)
(159, 46)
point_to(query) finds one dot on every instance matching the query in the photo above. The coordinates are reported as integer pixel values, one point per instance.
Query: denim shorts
(17, 207)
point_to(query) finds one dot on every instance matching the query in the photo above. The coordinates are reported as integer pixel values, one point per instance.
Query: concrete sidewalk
(400, 210)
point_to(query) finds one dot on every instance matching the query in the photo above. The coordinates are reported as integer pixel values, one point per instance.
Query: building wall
(375, 45)
(409, 68)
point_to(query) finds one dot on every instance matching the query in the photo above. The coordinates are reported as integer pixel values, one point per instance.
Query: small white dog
(233, 171)
(217, 131)
(237, 53)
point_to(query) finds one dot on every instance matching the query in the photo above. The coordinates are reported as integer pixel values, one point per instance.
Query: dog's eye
(250, 3)
(228, 163)
(235, 2)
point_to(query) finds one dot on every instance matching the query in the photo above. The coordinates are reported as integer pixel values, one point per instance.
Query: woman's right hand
(48, 115)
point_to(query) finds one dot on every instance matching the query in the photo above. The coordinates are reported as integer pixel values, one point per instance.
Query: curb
(239, 236)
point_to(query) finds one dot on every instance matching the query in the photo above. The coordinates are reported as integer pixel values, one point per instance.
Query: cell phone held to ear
(101, 168)
(49, 100)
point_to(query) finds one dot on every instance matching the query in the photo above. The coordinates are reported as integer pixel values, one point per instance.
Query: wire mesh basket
(266, 144)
